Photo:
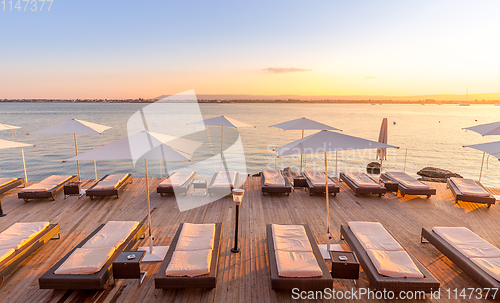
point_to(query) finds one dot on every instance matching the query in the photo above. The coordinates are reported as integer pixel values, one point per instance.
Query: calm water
(429, 135)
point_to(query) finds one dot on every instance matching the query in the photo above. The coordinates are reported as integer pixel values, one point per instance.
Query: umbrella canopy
(323, 142)
(73, 126)
(11, 127)
(303, 124)
(12, 144)
(486, 129)
(222, 121)
(326, 141)
(382, 138)
(144, 145)
(492, 148)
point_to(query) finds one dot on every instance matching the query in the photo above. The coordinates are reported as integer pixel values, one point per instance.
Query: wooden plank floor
(242, 277)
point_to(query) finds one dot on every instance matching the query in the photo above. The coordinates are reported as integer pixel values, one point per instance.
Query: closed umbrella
(73, 126)
(303, 124)
(222, 121)
(492, 148)
(11, 127)
(382, 138)
(144, 145)
(324, 142)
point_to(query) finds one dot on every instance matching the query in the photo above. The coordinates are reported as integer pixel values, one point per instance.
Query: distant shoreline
(218, 101)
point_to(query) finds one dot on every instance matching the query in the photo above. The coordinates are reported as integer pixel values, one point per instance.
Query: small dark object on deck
(434, 174)
(373, 168)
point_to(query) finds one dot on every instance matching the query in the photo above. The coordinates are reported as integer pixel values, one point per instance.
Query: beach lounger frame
(409, 191)
(427, 284)
(8, 265)
(302, 283)
(162, 190)
(12, 184)
(333, 188)
(222, 190)
(205, 281)
(459, 196)
(286, 189)
(50, 280)
(92, 193)
(461, 261)
(380, 191)
(46, 194)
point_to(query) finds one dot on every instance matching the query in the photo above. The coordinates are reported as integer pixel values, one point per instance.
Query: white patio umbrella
(324, 142)
(303, 124)
(144, 145)
(11, 127)
(222, 121)
(487, 129)
(74, 127)
(492, 148)
(382, 138)
(12, 144)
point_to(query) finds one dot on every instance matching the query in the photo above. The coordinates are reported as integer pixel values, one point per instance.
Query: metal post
(327, 207)
(24, 165)
(76, 152)
(149, 207)
(406, 153)
(95, 168)
(236, 249)
(301, 155)
(221, 136)
(481, 172)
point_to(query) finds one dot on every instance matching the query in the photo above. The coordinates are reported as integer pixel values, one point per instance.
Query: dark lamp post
(237, 198)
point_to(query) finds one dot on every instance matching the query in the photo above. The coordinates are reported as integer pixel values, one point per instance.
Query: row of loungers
(294, 257)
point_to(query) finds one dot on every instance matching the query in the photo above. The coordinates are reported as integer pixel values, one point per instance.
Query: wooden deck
(242, 277)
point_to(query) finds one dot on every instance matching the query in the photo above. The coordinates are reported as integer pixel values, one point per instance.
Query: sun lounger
(109, 185)
(310, 273)
(175, 274)
(33, 236)
(7, 184)
(408, 185)
(401, 271)
(361, 183)
(78, 279)
(273, 181)
(47, 188)
(468, 190)
(223, 182)
(462, 248)
(178, 182)
(316, 183)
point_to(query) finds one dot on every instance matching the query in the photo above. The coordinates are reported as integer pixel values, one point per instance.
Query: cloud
(280, 70)
(370, 78)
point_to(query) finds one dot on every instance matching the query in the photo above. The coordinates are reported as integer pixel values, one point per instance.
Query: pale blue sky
(130, 49)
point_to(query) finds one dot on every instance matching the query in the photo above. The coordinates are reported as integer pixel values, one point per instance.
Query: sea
(427, 135)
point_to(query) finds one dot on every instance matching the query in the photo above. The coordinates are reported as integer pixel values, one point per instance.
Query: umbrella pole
(76, 152)
(336, 172)
(149, 207)
(327, 207)
(24, 165)
(301, 155)
(406, 153)
(481, 172)
(221, 136)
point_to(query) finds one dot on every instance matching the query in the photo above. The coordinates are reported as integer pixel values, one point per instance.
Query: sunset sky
(133, 49)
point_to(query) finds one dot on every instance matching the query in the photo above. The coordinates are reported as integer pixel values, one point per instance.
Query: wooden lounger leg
(489, 205)
(56, 237)
(428, 196)
(25, 199)
(423, 240)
